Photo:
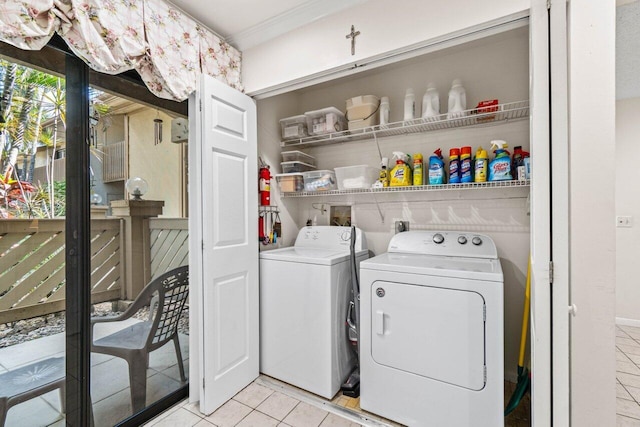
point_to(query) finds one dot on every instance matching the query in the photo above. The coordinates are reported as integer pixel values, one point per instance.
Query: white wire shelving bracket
(497, 114)
(413, 189)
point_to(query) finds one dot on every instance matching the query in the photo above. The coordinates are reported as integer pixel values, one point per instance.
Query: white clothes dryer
(304, 299)
(431, 351)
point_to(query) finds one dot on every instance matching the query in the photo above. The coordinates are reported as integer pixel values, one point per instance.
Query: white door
(541, 328)
(223, 247)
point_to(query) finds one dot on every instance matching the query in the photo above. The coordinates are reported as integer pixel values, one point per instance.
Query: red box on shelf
(485, 107)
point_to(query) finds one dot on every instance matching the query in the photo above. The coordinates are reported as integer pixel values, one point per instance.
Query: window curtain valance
(166, 47)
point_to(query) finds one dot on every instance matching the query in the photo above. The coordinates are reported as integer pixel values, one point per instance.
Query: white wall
(160, 165)
(494, 67)
(592, 166)
(627, 204)
(384, 26)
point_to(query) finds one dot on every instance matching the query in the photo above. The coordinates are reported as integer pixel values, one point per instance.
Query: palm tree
(8, 87)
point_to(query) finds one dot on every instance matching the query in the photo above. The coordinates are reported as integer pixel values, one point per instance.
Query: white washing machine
(304, 298)
(432, 331)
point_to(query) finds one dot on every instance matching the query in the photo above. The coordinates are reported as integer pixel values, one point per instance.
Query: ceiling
(247, 23)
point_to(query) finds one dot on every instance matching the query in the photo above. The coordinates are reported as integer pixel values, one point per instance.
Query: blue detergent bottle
(436, 168)
(500, 166)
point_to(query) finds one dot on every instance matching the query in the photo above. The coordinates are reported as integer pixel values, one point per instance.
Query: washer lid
(305, 255)
(447, 266)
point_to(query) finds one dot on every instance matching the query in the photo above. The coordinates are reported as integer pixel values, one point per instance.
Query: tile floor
(260, 404)
(267, 402)
(628, 376)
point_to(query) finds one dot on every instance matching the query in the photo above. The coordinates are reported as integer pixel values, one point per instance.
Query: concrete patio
(109, 379)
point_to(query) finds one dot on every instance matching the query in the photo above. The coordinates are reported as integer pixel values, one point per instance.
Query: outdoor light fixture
(157, 130)
(137, 187)
(96, 199)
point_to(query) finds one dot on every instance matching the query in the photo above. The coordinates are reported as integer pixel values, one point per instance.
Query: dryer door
(434, 332)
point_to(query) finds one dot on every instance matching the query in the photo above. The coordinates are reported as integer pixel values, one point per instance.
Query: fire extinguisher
(265, 185)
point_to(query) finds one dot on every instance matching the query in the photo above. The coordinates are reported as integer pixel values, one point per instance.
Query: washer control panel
(444, 243)
(330, 237)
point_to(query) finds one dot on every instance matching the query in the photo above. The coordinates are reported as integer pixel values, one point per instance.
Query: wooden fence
(169, 244)
(59, 172)
(32, 260)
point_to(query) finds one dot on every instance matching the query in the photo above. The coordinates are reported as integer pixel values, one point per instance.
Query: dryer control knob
(462, 240)
(438, 238)
(476, 241)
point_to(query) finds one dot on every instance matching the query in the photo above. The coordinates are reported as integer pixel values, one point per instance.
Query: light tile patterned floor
(628, 376)
(258, 405)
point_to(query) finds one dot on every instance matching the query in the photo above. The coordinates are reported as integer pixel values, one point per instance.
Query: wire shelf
(414, 188)
(476, 116)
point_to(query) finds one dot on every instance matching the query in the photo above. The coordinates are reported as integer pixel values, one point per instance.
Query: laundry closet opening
(495, 67)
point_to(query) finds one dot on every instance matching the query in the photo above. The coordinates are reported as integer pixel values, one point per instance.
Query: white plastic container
(356, 177)
(457, 100)
(290, 182)
(430, 102)
(290, 167)
(294, 127)
(409, 106)
(384, 111)
(298, 156)
(362, 107)
(326, 120)
(323, 180)
(362, 111)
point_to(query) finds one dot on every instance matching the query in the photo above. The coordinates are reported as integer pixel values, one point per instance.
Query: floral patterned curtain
(166, 47)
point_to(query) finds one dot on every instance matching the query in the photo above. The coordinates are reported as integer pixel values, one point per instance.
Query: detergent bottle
(457, 100)
(401, 172)
(436, 168)
(418, 176)
(430, 103)
(481, 166)
(454, 166)
(500, 167)
(466, 173)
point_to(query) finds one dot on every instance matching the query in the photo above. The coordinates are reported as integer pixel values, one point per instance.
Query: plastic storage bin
(323, 180)
(290, 182)
(294, 127)
(290, 167)
(355, 177)
(298, 156)
(326, 120)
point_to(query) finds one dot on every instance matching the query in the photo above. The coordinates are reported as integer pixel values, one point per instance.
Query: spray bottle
(401, 172)
(466, 170)
(418, 176)
(384, 172)
(481, 166)
(454, 166)
(436, 168)
(500, 167)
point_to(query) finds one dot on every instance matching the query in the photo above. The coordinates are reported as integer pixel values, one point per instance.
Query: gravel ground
(38, 327)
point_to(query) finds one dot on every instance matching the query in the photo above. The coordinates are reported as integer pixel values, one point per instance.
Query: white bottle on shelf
(409, 106)
(457, 100)
(384, 111)
(430, 102)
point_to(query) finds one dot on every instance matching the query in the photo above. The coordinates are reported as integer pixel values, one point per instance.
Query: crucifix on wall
(352, 35)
